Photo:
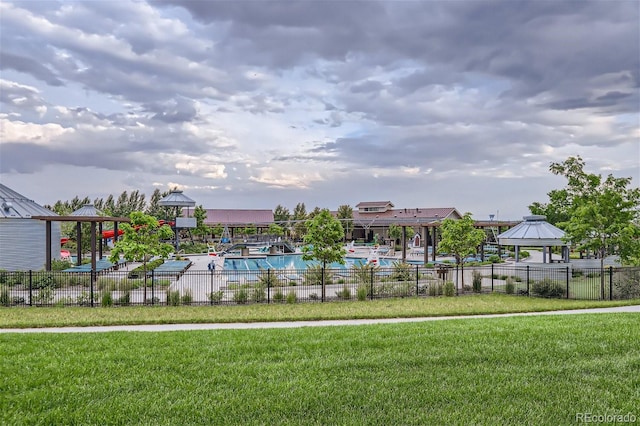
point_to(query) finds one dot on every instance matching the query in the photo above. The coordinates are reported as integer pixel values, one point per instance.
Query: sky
(252, 104)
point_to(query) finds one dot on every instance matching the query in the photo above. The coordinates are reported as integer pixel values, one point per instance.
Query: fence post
(211, 294)
(610, 283)
(458, 279)
(31, 288)
(528, 280)
(92, 280)
(153, 293)
(268, 286)
(567, 282)
(370, 284)
(322, 282)
(417, 280)
(492, 274)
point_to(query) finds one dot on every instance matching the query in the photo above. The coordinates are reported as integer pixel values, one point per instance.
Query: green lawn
(385, 308)
(518, 370)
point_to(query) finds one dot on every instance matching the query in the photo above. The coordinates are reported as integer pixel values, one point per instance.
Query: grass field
(385, 308)
(518, 370)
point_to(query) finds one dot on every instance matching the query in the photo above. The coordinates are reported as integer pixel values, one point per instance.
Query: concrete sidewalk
(295, 324)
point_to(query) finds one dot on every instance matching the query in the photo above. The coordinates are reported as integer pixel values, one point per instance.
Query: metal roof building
(22, 238)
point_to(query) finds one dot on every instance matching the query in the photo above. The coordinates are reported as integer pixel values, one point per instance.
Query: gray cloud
(175, 89)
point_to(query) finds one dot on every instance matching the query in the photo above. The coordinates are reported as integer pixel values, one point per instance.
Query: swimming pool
(290, 261)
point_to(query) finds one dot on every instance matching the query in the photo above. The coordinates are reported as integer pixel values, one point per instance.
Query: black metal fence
(199, 287)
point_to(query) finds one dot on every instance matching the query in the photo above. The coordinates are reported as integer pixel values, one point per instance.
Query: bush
(548, 288)
(292, 297)
(84, 299)
(173, 298)
(259, 293)
(186, 298)
(509, 287)
(216, 296)
(269, 279)
(365, 272)
(477, 281)
(344, 294)
(313, 276)
(449, 289)
(627, 286)
(241, 297)
(362, 292)
(401, 272)
(4, 297)
(494, 258)
(435, 289)
(278, 297)
(106, 300)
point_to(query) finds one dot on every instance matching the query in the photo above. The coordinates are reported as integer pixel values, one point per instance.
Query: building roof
(534, 231)
(408, 216)
(15, 205)
(238, 217)
(374, 204)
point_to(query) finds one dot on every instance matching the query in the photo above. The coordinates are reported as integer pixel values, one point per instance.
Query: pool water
(290, 261)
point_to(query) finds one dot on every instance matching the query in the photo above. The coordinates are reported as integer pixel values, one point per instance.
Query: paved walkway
(295, 324)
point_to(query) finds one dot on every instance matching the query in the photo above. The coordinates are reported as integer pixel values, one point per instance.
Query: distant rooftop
(16, 206)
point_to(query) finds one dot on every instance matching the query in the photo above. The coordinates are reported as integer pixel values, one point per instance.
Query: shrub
(509, 287)
(45, 296)
(524, 254)
(365, 272)
(59, 265)
(292, 297)
(63, 301)
(314, 296)
(362, 292)
(216, 296)
(84, 299)
(435, 289)
(5, 300)
(313, 276)
(477, 281)
(278, 297)
(449, 289)
(186, 298)
(259, 293)
(548, 288)
(344, 294)
(106, 300)
(269, 279)
(173, 298)
(401, 272)
(494, 258)
(241, 296)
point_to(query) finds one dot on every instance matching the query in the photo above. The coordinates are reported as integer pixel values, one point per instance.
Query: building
(22, 238)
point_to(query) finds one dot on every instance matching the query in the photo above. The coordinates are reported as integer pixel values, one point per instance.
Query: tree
(142, 239)
(395, 233)
(276, 230)
(300, 217)
(281, 216)
(201, 229)
(345, 215)
(460, 238)
(603, 214)
(324, 240)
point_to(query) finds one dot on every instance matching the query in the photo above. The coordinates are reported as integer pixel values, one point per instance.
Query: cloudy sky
(251, 104)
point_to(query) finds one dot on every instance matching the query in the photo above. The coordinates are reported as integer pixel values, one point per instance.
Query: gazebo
(177, 199)
(537, 232)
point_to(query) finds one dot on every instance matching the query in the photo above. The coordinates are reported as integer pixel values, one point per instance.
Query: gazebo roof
(177, 199)
(534, 231)
(87, 210)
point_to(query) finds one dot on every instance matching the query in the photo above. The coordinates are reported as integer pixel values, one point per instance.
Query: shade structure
(535, 231)
(88, 210)
(176, 199)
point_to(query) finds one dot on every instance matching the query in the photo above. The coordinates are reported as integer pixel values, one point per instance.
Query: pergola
(537, 232)
(86, 214)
